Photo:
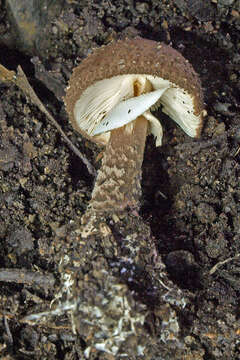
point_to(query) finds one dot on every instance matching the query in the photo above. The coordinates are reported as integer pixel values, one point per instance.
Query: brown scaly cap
(134, 56)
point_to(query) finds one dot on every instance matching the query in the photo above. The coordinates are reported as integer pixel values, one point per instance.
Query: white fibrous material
(128, 110)
(110, 103)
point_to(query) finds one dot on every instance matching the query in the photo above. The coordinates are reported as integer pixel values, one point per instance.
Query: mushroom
(109, 101)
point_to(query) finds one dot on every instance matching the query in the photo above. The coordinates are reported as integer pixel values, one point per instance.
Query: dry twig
(22, 276)
(22, 83)
(220, 263)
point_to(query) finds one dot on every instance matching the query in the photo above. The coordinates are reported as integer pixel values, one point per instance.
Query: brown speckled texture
(118, 183)
(133, 56)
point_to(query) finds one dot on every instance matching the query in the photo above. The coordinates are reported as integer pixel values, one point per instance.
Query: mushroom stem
(118, 183)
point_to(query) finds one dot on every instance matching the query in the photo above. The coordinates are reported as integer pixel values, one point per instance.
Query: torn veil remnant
(109, 99)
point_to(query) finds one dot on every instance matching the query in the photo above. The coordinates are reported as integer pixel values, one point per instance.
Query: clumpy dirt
(191, 191)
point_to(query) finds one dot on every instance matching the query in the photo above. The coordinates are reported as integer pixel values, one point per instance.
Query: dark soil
(191, 191)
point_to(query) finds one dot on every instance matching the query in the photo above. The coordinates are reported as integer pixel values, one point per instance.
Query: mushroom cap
(159, 63)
